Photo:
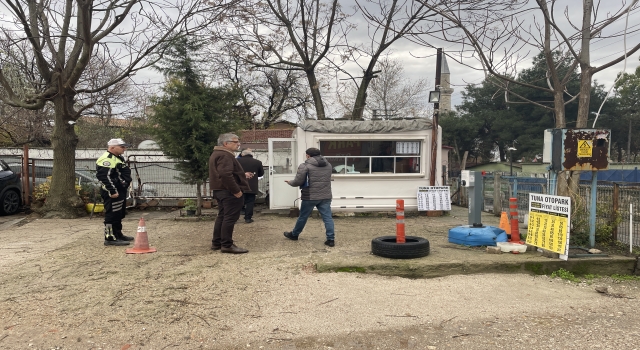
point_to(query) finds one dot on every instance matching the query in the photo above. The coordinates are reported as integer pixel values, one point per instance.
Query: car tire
(10, 202)
(386, 247)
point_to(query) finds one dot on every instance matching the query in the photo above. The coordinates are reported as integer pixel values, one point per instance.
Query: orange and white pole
(513, 208)
(400, 221)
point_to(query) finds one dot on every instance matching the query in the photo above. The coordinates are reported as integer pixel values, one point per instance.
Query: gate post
(614, 212)
(497, 195)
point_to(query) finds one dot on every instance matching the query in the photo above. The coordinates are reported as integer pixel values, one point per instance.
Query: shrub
(190, 204)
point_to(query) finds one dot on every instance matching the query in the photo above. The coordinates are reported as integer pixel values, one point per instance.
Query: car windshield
(4, 166)
(86, 175)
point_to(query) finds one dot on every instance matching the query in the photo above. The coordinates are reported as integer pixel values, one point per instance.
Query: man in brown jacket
(227, 180)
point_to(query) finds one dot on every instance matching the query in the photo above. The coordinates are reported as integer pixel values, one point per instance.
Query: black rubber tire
(10, 202)
(386, 246)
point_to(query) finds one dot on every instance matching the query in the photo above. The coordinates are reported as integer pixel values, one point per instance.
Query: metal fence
(154, 178)
(612, 198)
(159, 179)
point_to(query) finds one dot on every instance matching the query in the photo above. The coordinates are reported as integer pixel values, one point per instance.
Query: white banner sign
(434, 198)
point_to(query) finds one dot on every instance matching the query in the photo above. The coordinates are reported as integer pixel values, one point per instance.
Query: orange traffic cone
(504, 223)
(141, 244)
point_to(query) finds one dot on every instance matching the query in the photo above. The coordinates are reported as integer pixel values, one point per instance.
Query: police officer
(115, 176)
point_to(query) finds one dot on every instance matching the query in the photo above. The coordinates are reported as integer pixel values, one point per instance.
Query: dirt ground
(63, 289)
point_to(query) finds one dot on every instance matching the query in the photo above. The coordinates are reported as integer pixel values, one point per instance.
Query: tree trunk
(62, 200)
(315, 93)
(199, 198)
(619, 146)
(361, 99)
(585, 65)
(558, 103)
(455, 144)
(628, 155)
(585, 96)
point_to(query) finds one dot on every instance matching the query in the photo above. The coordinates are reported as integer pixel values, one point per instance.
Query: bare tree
(118, 100)
(268, 94)
(387, 22)
(19, 126)
(499, 32)
(391, 94)
(62, 38)
(295, 35)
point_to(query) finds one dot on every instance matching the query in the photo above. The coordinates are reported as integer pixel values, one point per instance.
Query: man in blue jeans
(314, 179)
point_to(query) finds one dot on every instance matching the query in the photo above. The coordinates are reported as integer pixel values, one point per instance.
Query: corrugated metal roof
(254, 136)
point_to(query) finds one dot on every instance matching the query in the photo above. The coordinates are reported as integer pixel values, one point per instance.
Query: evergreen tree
(625, 123)
(487, 123)
(189, 116)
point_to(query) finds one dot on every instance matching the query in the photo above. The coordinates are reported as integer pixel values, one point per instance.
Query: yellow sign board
(549, 221)
(585, 148)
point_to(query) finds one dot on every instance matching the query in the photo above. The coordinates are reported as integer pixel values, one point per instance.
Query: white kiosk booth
(374, 162)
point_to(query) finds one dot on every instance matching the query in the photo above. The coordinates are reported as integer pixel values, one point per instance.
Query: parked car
(10, 190)
(83, 177)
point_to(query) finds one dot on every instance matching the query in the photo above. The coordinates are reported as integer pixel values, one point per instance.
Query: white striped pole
(400, 221)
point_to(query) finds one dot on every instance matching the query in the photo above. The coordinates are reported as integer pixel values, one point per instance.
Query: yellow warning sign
(585, 148)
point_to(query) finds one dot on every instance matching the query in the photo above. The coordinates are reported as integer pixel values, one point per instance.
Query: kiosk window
(370, 157)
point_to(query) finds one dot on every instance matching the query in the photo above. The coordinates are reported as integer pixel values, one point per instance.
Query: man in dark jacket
(253, 166)
(115, 177)
(228, 181)
(314, 179)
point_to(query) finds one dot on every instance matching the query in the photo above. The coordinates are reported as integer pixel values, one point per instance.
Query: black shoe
(116, 242)
(291, 236)
(215, 247)
(124, 238)
(330, 243)
(248, 221)
(233, 250)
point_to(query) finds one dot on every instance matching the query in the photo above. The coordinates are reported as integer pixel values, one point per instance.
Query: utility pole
(434, 133)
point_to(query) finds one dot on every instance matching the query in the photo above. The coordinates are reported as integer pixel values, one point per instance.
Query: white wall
(377, 192)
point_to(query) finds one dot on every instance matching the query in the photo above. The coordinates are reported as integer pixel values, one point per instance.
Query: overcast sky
(602, 50)
(419, 62)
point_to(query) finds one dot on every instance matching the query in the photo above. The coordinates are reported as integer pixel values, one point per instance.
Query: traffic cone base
(141, 243)
(504, 223)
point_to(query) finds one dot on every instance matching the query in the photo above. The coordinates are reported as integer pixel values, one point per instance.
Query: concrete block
(550, 254)
(494, 250)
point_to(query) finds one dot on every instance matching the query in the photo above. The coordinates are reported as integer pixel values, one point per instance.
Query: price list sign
(434, 198)
(549, 218)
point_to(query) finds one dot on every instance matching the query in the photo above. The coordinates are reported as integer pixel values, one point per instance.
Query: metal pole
(630, 227)
(553, 180)
(592, 211)
(511, 163)
(434, 133)
(25, 175)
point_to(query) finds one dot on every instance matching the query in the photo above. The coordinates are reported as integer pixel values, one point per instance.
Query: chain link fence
(614, 200)
(155, 177)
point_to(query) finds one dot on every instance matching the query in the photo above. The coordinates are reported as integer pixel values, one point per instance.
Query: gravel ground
(62, 289)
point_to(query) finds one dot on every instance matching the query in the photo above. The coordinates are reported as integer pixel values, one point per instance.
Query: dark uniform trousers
(115, 211)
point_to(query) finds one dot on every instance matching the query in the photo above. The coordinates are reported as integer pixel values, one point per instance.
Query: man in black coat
(250, 165)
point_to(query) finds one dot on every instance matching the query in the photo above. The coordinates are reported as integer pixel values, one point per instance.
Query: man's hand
(248, 175)
(238, 195)
(115, 195)
(287, 181)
